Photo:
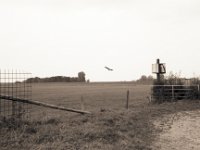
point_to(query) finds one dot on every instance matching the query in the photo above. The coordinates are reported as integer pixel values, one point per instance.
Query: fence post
(12, 95)
(173, 93)
(151, 95)
(198, 91)
(127, 99)
(82, 103)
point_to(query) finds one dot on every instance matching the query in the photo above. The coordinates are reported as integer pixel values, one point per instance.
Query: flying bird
(109, 69)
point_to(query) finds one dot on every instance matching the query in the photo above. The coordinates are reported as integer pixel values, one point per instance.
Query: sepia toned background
(63, 37)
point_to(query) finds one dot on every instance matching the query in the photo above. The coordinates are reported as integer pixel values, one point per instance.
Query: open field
(110, 126)
(95, 95)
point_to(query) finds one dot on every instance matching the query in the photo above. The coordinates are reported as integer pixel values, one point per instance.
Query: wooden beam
(43, 104)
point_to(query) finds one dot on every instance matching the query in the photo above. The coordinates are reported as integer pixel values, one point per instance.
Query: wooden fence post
(127, 100)
(12, 92)
(173, 93)
(198, 92)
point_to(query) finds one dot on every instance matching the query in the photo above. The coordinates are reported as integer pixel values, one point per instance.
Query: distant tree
(150, 77)
(145, 80)
(67, 79)
(81, 76)
(74, 79)
(33, 80)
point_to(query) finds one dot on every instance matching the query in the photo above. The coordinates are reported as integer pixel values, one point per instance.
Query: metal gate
(161, 93)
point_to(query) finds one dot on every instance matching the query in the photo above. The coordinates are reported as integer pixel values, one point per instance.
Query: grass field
(95, 95)
(110, 126)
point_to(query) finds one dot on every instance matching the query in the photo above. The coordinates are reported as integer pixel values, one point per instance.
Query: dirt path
(180, 131)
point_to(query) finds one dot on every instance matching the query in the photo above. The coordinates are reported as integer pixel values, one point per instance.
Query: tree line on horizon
(148, 80)
(79, 78)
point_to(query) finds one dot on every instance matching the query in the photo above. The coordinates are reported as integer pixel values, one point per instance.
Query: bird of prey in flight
(109, 69)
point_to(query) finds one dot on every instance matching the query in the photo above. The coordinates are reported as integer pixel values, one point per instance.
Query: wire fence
(14, 85)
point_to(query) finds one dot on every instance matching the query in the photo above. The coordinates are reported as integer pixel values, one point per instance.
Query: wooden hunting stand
(159, 69)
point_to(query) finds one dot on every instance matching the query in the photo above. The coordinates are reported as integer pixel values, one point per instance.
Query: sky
(64, 37)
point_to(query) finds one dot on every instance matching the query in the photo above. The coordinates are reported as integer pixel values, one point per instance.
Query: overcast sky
(63, 37)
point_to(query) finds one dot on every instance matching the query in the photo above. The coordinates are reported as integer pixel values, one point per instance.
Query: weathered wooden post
(12, 94)
(173, 96)
(158, 73)
(198, 92)
(127, 99)
(42, 104)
